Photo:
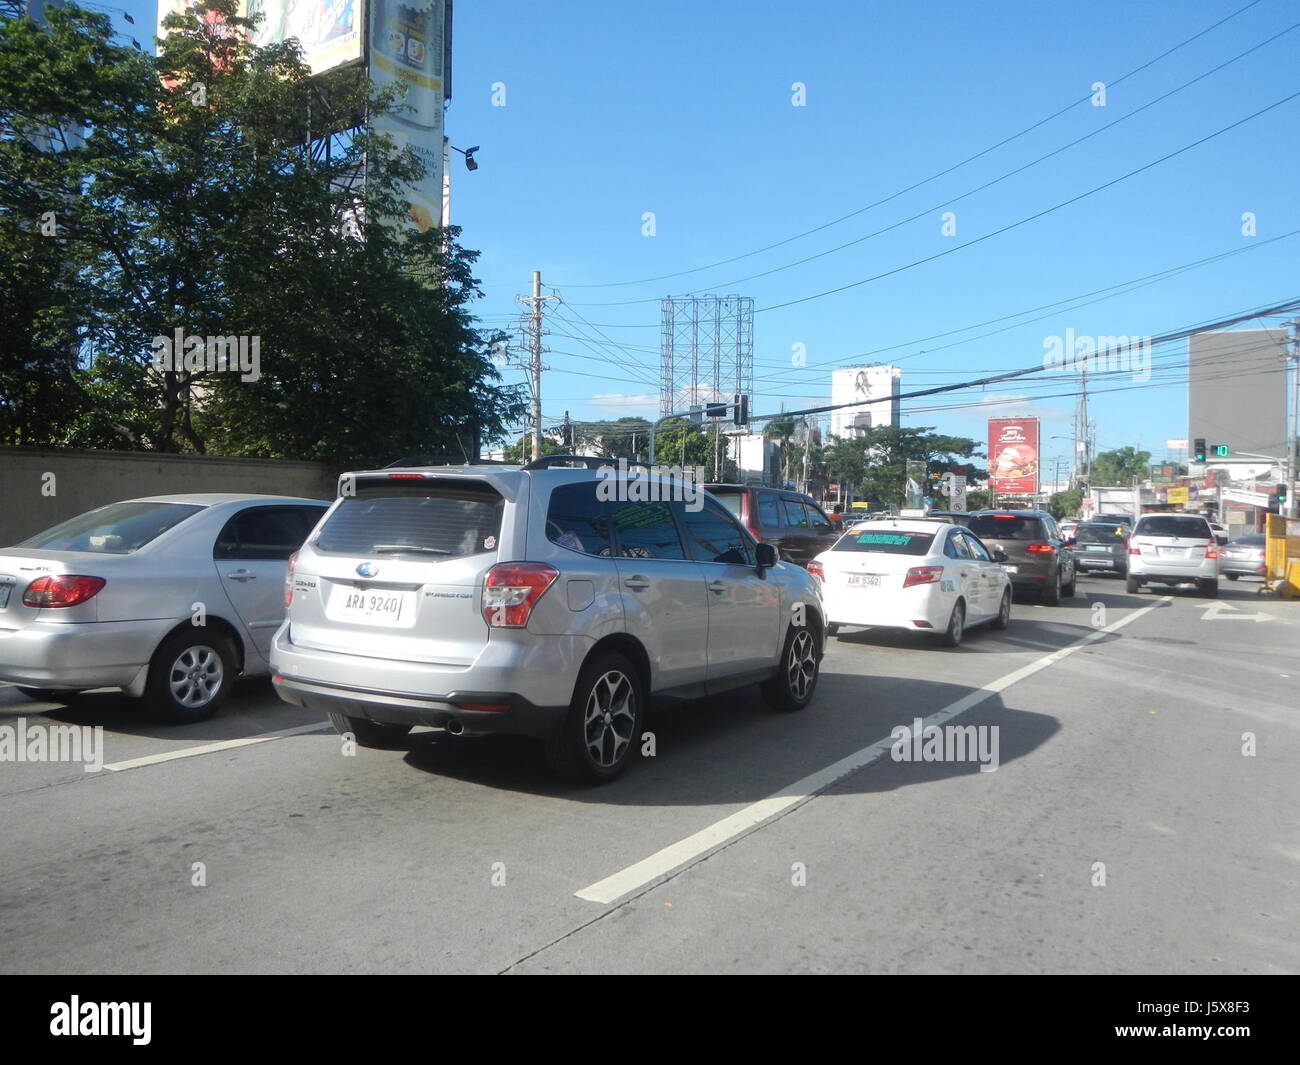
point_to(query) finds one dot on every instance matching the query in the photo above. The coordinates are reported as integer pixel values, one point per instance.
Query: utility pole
(535, 356)
(1291, 425)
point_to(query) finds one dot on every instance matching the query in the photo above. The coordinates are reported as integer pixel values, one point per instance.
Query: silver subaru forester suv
(540, 601)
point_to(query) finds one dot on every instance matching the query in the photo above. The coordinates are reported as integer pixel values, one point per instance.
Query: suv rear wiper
(391, 549)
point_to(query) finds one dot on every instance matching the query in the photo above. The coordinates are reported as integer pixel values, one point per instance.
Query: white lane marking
(665, 861)
(211, 748)
(1228, 612)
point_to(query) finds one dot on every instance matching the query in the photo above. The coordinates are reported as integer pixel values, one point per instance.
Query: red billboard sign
(1013, 455)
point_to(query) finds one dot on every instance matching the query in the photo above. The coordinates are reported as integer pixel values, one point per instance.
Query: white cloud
(622, 403)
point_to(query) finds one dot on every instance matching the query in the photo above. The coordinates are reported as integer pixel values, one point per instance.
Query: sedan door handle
(637, 583)
(717, 586)
(242, 575)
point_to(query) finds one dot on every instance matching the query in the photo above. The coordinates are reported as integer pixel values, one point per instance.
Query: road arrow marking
(1219, 612)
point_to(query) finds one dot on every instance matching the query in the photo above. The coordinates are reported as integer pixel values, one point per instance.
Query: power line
(923, 181)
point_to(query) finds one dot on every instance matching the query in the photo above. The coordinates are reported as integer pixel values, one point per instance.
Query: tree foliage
(192, 202)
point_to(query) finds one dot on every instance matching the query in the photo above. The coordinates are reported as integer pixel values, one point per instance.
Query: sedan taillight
(288, 579)
(512, 589)
(47, 593)
(922, 575)
(817, 570)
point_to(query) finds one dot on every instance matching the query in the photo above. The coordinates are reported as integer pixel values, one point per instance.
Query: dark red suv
(791, 522)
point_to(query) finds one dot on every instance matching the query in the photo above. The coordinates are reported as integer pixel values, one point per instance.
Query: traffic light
(1281, 496)
(1198, 451)
(1222, 450)
(740, 414)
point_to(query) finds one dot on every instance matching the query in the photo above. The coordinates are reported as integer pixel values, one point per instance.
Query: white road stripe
(211, 748)
(663, 862)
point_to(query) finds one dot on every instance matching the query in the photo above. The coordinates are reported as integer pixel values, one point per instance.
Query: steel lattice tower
(708, 351)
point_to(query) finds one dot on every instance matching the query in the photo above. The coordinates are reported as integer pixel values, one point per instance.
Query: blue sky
(685, 110)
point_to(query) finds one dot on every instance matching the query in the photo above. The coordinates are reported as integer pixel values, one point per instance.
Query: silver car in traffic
(167, 597)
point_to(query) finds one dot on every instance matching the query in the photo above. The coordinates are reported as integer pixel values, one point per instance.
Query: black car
(1102, 547)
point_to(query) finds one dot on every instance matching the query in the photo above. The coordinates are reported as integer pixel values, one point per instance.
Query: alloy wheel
(196, 676)
(609, 718)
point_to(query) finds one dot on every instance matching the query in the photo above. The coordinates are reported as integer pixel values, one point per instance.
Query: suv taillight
(288, 579)
(816, 569)
(46, 593)
(512, 589)
(922, 575)
(1039, 549)
(1211, 551)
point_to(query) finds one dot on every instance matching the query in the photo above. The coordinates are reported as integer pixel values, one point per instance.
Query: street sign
(957, 494)
(1176, 495)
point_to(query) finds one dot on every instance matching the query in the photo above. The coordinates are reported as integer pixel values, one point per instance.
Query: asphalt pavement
(1131, 810)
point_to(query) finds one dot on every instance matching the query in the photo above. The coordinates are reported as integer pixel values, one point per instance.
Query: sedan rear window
(1174, 525)
(1006, 527)
(1101, 534)
(438, 520)
(886, 541)
(117, 529)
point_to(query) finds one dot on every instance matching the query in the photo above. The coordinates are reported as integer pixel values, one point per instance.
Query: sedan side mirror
(1070, 541)
(766, 556)
(999, 553)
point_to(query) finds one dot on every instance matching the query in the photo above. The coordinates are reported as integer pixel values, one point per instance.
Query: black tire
(793, 684)
(1052, 592)
(47, 695)
(1132, 585)
(191, 675)
(376, 734)
(1067, 590)
(1210, 589)
(1004, 612)
(603, 726)
(1230, 576)
(956, 626)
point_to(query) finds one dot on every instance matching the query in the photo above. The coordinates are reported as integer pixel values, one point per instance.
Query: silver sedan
(168, 598)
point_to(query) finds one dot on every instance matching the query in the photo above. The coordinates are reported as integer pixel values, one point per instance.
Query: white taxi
(915, 574)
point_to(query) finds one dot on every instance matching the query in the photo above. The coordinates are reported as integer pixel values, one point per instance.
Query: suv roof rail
(591, 462)
(443, 460)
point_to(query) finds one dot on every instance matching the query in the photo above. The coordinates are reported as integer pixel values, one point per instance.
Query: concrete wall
(87, 479)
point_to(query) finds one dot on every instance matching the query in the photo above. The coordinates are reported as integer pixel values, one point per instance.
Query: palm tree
(782, 430)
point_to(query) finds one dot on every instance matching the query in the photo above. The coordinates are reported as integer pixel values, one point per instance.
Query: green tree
(875, 460)
(192, 205)
(1065, 504)
(1121, 467)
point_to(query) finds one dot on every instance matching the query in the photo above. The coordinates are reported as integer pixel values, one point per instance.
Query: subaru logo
(367, 569)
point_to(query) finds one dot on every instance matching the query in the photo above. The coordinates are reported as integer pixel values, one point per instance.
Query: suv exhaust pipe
(454, 726)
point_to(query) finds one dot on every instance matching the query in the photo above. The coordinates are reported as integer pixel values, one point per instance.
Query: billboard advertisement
(408, 45)
(328, 31)
(1013, 455)
(872, 391)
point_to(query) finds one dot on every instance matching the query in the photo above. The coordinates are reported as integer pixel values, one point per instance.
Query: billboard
(872, 392)
(409, 45)
(1013, 455)
(328, 31)
(1236, 390)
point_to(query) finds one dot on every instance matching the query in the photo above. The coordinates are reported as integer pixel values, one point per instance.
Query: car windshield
(1101, 534)
(1173, 525)
(117, 529)
(1006, 527)
(432, 520)
(887, 541)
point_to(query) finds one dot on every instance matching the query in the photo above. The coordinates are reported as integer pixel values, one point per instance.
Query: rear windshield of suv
(1008, 527)
(731, 498)
(117, 529)
(452, 519)
(1100, 534)
(886, 541)
(1174, 525)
